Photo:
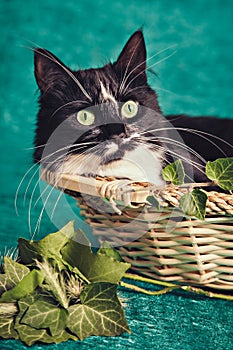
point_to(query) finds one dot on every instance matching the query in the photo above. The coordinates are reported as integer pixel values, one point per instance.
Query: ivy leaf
(47, 248)
(14, 271)
(7, 314)
(194, 203)
(26, 286)
(100, 312)
(29, 335)
(45, 318)
(221, 172)
(174, 173)
(106, 249)
(27, 252)
(153, 201)
(7, 328)
(26, 333)
(4, 283)
(95, 267)
(45, 314)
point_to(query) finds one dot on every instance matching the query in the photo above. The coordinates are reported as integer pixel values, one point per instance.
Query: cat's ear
(47, 68)
(132, 59)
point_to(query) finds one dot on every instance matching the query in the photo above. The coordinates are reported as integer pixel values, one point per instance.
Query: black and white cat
(108, 122)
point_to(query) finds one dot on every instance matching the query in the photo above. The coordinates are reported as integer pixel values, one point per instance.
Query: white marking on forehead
(106, 94)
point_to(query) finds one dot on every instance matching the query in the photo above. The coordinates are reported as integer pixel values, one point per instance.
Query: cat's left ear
(48, 69)
(132, 60)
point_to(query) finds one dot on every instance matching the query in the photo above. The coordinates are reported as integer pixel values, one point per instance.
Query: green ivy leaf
(29, 335)
(106, 249)
(95, 267)
(194, 203)
(4, 283)
(174, 173)
(221, 172)
(47, 248)
(36, 317)
(153, 201)
(100, 312)
(26, 333)
(14, 271)
(7, 328)
(26, 286)
(45, 314)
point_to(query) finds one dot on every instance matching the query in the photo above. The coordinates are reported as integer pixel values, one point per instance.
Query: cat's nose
(115, 130)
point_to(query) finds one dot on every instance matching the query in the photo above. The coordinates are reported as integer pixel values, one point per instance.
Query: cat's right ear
(132, 59)
(47, 68)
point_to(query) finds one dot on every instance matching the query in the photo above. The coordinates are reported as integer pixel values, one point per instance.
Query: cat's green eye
(129, 109)
(85, 117)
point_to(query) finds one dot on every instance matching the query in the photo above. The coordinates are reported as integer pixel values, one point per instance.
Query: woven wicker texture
(162, 244)
(188, 251)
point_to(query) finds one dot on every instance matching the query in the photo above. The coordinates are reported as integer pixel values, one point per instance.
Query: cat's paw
(117, 191)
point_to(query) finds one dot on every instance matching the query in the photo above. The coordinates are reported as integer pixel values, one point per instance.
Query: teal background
(196, 79)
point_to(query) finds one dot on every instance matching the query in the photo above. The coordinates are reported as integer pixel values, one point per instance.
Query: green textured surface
(197, 79)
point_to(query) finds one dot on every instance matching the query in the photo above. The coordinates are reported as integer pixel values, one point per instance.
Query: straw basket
(162, 244)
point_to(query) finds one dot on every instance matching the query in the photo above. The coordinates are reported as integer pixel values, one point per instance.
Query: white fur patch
(140, 165)
(111, 148)
(106, 94)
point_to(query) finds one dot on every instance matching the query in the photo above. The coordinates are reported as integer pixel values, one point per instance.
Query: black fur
(62, 97)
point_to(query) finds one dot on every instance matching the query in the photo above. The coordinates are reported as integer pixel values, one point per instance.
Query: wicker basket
(163, 244)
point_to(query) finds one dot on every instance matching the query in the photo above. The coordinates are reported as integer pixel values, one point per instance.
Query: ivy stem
(148, 280)
(169, 287)
(207, 293)
(199, 184)
(145, 291)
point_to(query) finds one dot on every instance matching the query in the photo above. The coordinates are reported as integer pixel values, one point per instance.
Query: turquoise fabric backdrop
(195, 78)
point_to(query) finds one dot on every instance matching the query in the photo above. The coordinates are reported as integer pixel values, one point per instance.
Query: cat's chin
(125, 169)
(139, 165)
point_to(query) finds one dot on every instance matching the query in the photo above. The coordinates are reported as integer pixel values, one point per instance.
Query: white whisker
(56, 203)
(196, 132)
(188, 161)
(43, 192)
(127, 67)
(37, 228)
(169, 151)
(181, 145)
(19, 186)
(32, 148)
(78, 147)
(28, 185)
(67, 104)
(152, 65)
(122, 86)
(71, 75)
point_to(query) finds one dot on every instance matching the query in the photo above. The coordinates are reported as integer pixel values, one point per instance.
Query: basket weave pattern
(174, 249)
(161, 244)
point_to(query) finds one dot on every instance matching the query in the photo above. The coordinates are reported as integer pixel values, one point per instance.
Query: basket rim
(91, 186)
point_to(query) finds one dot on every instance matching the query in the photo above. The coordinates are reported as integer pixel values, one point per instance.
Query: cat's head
(100, 117)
